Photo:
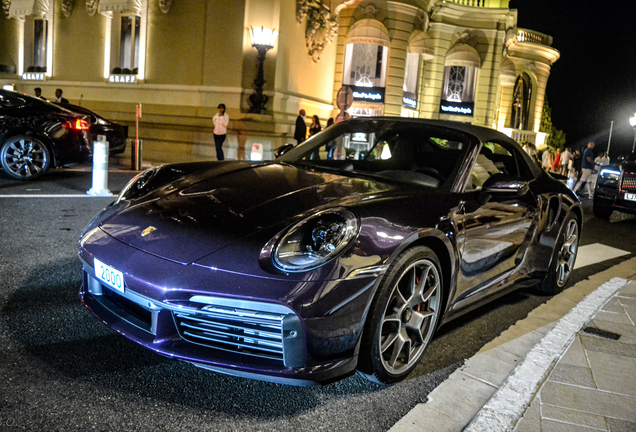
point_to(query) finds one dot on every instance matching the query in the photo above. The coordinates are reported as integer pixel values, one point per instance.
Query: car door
(495, 216)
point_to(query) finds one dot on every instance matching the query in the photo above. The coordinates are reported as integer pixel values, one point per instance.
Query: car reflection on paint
(344, 254)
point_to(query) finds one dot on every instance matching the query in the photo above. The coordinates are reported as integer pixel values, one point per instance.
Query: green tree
(556, 137)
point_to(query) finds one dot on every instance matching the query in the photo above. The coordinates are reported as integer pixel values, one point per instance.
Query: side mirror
(504, 184)
(283, 149)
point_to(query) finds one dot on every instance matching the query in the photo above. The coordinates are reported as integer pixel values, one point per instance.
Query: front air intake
(254, 333)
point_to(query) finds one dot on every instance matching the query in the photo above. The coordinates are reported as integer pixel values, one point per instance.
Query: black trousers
(218, 142)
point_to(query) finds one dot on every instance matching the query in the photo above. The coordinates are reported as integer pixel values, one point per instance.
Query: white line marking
(596, 253)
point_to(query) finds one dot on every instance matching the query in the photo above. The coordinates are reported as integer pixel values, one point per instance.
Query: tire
(25, 157)
(403, 316)
(563, 258)
(601, 211)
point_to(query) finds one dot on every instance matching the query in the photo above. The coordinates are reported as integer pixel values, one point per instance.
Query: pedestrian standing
(315, 125)
(59, 98)
(547, 159)
(38, 93)
(587, 166)
(556, 165)
(221, 119)
(566, 157)
(532, 151)
(300, 133)
(575, 168)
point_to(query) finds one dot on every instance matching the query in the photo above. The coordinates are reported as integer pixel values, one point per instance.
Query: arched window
(460, 78)
(521, 97)
(366, 58)
(420, 48)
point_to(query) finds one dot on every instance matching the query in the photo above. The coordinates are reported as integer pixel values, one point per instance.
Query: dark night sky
(594, 81)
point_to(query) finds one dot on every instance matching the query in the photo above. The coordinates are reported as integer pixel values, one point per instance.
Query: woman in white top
(220, 120)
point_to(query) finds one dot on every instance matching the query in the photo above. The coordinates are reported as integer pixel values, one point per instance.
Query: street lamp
(632, 121)
(263, 40)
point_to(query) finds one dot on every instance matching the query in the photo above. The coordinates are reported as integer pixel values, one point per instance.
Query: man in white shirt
(566, 157)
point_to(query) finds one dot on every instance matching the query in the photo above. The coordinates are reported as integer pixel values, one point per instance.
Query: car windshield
(405, 151)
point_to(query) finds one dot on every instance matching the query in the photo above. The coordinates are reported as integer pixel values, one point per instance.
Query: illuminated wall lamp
(263, 40)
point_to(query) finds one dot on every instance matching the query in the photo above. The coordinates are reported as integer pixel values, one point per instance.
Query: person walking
(300, 133)
(315, 125)
(587, 166)
(566, 157)
(220, 120)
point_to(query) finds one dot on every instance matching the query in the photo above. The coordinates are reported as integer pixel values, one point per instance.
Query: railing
(524, 35)
(522, 136)
(473, 3)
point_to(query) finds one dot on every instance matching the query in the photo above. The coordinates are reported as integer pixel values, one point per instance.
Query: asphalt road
(60, 369)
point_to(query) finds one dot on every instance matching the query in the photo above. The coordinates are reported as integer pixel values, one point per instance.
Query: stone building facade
(462, 60)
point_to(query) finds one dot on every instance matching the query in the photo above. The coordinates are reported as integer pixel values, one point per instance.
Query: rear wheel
(403, 316)
(565, 250)
(25, 157)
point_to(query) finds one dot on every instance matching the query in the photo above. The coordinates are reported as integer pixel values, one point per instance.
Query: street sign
(344, 99)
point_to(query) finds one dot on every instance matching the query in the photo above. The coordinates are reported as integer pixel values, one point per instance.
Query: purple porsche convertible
(344, 254)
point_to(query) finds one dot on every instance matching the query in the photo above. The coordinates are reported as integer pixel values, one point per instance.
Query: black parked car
(116, 134)
(616, 188)
(36, 135)
(345, 253)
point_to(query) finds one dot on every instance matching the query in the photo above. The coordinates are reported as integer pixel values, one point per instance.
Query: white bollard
(257, 152)
(100, 168)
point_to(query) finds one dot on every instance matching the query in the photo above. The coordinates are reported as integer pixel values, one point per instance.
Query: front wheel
(565, 250)
(403, 316)
(25, 157)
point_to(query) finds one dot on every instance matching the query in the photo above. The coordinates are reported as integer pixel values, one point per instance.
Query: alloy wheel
(24, 158)
(567, 254)
(411, 313)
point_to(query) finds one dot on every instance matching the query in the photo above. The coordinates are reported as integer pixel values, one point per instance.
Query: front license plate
(630, 197)
(110, 276)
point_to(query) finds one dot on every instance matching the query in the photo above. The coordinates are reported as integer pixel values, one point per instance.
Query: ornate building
(462, 60)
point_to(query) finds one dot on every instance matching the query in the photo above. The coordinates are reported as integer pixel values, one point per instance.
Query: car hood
(189, 221)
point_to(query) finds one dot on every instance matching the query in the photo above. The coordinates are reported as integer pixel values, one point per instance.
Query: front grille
(629, 182)
(245, 331)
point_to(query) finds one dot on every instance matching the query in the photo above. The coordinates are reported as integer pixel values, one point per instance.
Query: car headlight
(610, 174)
(315, 240)
(135, 187)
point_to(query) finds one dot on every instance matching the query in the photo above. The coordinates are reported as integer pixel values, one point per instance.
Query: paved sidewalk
(515, 376)
(593, 386)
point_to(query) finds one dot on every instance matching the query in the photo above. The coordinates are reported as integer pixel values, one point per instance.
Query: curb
(507, 405)
(458, 401)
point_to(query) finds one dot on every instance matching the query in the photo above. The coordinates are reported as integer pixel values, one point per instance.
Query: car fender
(445, 248)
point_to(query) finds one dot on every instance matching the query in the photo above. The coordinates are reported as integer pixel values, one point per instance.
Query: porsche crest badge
(148, 230)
